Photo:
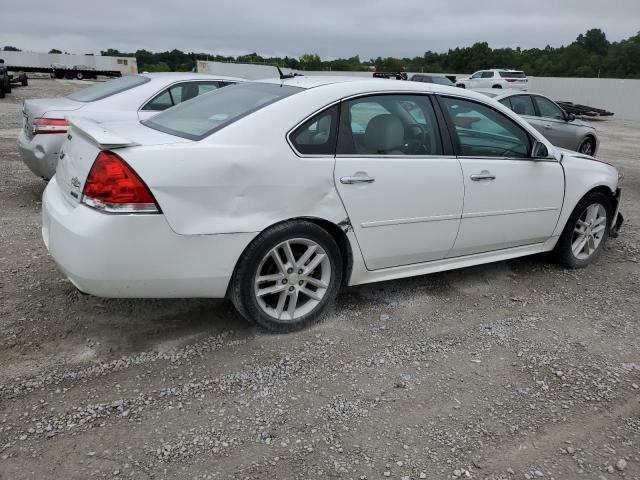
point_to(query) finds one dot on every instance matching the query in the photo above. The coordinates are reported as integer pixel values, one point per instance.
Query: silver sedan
(559, 127)
(134, 97)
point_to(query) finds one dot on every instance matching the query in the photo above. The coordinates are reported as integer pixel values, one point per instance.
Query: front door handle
(356, 179)
(483, 175)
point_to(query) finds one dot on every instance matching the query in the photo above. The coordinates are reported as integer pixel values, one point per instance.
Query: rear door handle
(356, 179)
(483, 175)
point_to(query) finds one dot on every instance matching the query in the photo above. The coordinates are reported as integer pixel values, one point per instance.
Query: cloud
(331, 28)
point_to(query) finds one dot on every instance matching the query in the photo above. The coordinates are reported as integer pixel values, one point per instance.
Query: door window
(549, 109)
(389, 125)
(485, 132)
(317, 136)
(476, 75)
(487, 74)
(520, 104)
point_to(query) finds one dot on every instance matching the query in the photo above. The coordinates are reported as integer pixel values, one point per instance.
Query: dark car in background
(439, 79)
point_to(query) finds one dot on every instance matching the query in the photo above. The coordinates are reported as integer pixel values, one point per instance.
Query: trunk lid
(48, 108)
(84, 141)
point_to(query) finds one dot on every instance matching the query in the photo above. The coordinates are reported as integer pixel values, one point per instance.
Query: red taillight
(113, 187)
(42, 126)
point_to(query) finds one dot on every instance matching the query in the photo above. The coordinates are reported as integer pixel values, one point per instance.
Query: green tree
(310, 61)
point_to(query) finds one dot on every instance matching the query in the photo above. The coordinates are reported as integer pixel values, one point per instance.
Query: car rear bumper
(40, 153)
(136, 256)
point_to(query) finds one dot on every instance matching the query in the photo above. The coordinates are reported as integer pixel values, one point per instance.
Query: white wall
(126, 65)
(622, 97)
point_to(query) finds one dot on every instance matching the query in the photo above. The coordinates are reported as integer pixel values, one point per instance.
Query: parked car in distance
(276, 193)
(125, 98)
(559, 127)
(495, 78)
(439, 79)
(5, 80)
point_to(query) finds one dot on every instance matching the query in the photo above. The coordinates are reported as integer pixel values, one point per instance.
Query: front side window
(485, 132)
(106, 89)
(520, 104)
(548, 109)
(317, 136)
(196, 120)
(389, 125)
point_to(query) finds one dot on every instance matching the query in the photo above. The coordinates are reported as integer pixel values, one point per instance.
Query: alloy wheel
(589, 231)
(292, 279)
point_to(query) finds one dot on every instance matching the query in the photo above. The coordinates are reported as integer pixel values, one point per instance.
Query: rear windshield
(203, 115)
(513, 75)
(106, 89)
(441, 80)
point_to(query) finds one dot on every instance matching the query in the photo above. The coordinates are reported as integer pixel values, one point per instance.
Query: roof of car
(498, 93)
(370, 84)
(189, 76)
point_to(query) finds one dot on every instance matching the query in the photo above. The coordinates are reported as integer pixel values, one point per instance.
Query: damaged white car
(277, 193)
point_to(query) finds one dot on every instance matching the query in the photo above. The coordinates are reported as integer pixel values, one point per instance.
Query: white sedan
(126, 98)
(276, 193)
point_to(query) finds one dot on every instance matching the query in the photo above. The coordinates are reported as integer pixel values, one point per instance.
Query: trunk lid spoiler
(103, 138)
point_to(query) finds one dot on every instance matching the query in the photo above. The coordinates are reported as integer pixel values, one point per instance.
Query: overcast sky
(331, 28)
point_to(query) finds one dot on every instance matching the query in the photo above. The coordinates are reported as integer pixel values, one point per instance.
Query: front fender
(581, 176)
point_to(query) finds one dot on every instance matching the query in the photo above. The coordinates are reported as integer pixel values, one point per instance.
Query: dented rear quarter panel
(243, 178)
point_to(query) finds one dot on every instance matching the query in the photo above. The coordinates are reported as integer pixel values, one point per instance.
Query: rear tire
(497, 86)
(79, 75)
(586, 231)
(301, 285)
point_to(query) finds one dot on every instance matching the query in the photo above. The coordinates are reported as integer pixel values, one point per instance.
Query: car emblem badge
(69, 137)
(61, 155)
(75, 182)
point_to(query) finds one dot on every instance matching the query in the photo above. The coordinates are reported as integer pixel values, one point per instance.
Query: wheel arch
(338, 232)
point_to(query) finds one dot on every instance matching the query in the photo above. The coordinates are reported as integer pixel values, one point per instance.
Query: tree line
(590, 55)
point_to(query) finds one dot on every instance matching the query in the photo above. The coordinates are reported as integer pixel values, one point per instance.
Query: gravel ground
(514, 370)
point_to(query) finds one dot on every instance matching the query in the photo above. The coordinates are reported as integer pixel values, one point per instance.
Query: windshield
(203, 115)
(106, 89)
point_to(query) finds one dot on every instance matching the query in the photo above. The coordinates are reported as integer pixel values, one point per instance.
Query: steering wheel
(417, 138)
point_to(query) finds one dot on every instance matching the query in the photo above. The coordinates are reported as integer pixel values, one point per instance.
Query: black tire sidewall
(242, 283)
(590, 142)
(563, 248)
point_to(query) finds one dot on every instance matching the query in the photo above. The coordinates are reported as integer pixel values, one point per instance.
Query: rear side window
(391, 124)
(512, 75)
(217, 109)
(520, 104)
(179, 93)
(317, 136)
(441, 81)
(485, 132)
(106, 89)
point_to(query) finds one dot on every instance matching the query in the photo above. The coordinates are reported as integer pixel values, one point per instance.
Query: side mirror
(570, 117)
(539, 150)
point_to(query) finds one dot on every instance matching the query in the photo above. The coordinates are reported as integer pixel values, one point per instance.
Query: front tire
(287, 277)
(586, 231)
(497, 86)
(79, 76)
(587, 147)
